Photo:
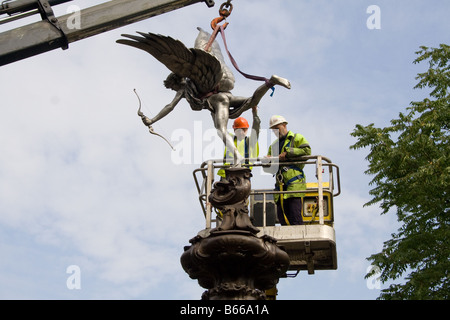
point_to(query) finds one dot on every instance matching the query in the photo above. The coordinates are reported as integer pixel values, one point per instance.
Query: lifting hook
(224, 13)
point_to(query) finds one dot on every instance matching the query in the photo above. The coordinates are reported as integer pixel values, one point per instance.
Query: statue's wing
(196, 64)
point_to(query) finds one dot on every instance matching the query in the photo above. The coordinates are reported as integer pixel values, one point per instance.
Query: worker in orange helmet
(248, 147)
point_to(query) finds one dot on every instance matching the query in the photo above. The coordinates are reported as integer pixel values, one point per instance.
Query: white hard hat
(276, 120)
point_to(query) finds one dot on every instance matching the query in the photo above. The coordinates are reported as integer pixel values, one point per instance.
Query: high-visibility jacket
(247, 147)
(291, 176)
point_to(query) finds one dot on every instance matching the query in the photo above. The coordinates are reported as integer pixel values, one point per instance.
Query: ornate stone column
(232, 262)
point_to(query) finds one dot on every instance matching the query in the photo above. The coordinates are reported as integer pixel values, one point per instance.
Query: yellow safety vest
(244, 149)
(291, 177)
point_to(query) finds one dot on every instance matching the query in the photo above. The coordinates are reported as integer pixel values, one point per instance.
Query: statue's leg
(220, 102)
(262, 90)
(276, 80)
(248, 103)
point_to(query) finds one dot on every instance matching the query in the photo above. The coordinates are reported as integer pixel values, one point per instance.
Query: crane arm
(52, 33)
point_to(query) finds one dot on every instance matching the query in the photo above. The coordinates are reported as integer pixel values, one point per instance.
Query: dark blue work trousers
(292, 210)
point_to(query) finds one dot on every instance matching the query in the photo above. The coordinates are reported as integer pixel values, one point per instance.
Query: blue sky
(83, 183)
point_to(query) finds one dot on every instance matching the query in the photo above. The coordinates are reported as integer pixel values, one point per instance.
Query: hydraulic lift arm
(52, 33)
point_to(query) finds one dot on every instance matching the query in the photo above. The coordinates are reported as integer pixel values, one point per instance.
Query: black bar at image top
(19, 6)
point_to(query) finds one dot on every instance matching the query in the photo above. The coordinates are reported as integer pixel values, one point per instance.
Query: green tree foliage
(410, 164)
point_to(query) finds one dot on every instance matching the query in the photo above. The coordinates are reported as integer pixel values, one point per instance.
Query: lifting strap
(248, 76)
(221, 28)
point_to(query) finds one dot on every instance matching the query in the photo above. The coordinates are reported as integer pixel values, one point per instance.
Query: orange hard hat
(240, 123)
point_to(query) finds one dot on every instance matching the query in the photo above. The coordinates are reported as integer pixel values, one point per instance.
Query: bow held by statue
(148, 123)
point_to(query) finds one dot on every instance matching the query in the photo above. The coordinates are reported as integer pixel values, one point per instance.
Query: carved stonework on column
(232, 262)
(230, 197)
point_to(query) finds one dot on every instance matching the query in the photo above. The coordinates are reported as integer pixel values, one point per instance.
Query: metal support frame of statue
(201, 76)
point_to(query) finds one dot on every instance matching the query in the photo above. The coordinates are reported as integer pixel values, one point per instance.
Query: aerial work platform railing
(208, 171)
(311, 246)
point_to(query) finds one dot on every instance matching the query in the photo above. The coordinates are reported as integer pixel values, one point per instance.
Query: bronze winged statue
(202, 78)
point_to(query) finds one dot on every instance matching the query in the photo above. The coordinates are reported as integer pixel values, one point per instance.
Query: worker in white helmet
(288, 177)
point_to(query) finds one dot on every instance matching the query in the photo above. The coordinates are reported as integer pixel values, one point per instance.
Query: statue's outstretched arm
(166, 110)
